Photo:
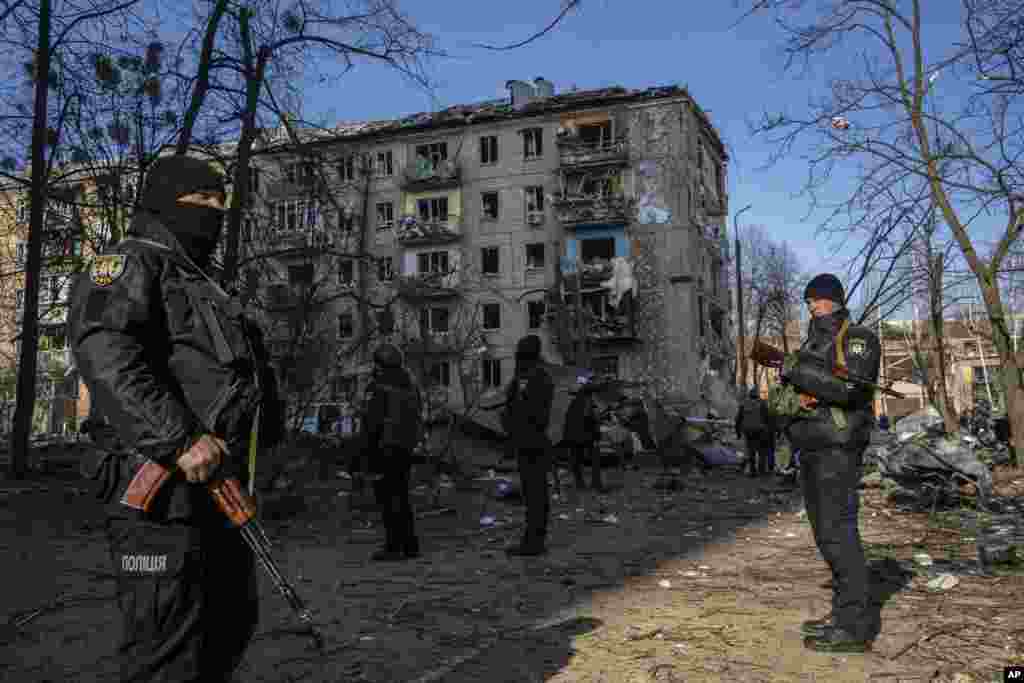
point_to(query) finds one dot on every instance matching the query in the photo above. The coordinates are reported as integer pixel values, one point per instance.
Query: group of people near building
(178, 375)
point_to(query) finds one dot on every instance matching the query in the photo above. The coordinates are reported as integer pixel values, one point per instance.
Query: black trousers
(830, 478)
(582, 454)
(534, 465)
(392, 494)
(188, 598)
(759, 453)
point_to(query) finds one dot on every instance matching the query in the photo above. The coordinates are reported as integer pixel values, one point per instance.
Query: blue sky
(734, 72)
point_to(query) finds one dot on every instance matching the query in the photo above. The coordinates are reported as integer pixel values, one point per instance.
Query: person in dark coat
(831, 431)
(391, 408)
(756, 426)
(582, 432)
(528, 398)
(175, 373)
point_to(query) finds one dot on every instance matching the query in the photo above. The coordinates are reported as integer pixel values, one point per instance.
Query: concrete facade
(633, 174)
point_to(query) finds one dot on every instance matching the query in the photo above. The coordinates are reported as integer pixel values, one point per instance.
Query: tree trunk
(944, 400)
(1013, 381)
(202, 77)
(21, 431)
(240, 196)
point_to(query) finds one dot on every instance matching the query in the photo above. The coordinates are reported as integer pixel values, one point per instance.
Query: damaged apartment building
(593, 218)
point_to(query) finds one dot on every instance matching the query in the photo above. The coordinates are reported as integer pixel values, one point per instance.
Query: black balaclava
(196, 228)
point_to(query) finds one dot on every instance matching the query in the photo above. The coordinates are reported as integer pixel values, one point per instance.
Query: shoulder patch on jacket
(858, 347)
(105, 270)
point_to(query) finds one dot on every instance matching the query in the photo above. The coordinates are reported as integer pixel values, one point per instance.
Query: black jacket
(582, 428)
(863, 353)
(528, 400)
(167, 355)
(375, 405)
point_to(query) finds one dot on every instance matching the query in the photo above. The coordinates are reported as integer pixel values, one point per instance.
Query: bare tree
(37, 36)
(919, 116)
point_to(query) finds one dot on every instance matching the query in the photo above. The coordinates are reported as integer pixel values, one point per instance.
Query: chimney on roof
(544, 88)
(522, 93)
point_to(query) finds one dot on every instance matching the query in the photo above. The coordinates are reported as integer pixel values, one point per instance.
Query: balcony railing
(572, 151)
(422, 175)
(427, 285)
(594, 210)
(413, 230)
(434, 342)
(277, 239)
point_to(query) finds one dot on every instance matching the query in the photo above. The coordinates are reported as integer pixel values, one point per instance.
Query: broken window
(385, 269)
(346, 326)
(300, 275)
(490, 261)
(605, 366)
(700, 315)
(385, 215)
(534, 200)
(346, 273)
(489, 149)
(299, 172)
(432, 262)
(597, 135)
(601, 186)
(254, 180)
(385, 164)
(490, 205)
(440, 374)
(490, 372)
(535, 255)
(603, 248)
(533, 143)
(434, 319)
(434, 152)
(491, 316)
(535, 311)
(347, 168)
(295, 214)
(433, 210)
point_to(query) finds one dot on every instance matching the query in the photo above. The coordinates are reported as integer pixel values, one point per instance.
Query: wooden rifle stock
(767, 355)
(771, 357)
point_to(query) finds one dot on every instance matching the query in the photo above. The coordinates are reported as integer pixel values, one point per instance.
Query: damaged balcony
(433, 343)
(603, 322)
(425, 175)
(415, 230)
(582, 211)
(427, 285)
(574, 151)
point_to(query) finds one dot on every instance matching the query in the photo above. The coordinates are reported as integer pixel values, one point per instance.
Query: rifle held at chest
(771, 357)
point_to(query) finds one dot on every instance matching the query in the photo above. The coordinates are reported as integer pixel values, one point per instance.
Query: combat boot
(837, 640)
(816, 627)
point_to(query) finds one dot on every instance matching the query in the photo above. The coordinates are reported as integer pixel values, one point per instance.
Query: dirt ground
(706, 583)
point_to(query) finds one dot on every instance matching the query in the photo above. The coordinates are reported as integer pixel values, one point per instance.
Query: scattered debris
(923, 559)
(943, 582)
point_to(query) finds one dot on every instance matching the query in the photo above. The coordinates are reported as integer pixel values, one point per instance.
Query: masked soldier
(830, 423)
(177, 373)
(391, 425)
(527, 414)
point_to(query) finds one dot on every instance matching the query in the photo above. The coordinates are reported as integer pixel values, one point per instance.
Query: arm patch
(105, 270)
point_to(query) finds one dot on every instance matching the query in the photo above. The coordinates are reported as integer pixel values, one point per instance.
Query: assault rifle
(236, 504)
(771, 357)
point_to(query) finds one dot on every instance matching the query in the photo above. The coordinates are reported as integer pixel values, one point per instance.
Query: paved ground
(708, 583)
